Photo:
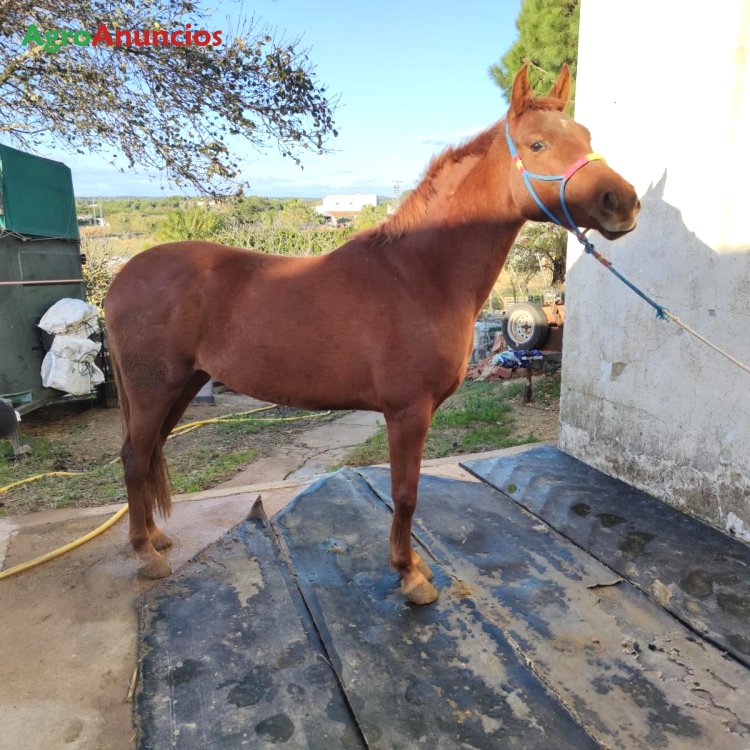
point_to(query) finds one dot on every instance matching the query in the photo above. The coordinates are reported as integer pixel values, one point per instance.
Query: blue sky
(412, 77)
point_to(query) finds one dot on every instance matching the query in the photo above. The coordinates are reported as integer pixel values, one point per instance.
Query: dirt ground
(80, 438)
(92, 434)
(533, 419)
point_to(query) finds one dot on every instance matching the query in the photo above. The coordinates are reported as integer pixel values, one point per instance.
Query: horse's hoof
(155, 567)
(424, 568)
(419, 590)
(160, 540)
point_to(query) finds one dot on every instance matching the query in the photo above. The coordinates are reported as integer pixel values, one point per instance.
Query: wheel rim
(521, 327)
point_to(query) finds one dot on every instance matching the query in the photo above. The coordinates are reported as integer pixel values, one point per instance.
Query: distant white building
(91, 221)
(338, 206)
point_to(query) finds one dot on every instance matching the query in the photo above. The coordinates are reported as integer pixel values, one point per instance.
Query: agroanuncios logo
(53, 40)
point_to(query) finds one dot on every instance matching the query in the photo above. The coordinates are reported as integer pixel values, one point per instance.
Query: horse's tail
(157, 483)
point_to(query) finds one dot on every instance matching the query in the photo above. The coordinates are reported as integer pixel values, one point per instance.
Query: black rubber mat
(696, 572)
(294, 634)
(621, 664)
(229, 658)
(226, 661)
(440, 676)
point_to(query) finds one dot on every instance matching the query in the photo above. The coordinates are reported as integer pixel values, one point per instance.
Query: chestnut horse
(384, 323)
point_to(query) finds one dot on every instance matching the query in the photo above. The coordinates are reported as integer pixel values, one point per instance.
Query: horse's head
(553, 159)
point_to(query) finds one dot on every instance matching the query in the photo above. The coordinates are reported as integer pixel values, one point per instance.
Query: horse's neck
(469, 229)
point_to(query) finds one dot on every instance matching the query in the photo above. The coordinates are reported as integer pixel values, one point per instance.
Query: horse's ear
(521, 93)
(561, 87)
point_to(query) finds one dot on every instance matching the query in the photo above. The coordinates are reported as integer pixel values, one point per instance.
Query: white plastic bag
(69, 365)
(70, 316)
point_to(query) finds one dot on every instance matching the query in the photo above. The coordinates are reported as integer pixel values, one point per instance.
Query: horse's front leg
(407, 431)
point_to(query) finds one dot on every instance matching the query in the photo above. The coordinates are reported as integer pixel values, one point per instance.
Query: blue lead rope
(661, 311)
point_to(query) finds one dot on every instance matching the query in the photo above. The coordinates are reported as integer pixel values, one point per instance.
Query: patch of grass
(475, 418)
(197, 461)
(210, 469)
(373, 451)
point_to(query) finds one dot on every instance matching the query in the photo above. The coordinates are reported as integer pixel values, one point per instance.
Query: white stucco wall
(665, 89)
(354, 202)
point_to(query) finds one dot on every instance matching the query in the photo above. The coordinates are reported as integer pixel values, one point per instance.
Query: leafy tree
(102, 263)
(547, 38)
(370, 216)
(252, 208)
(284, 241)
(190, 224)
(540, 244)
(160, 106)
(296, 215)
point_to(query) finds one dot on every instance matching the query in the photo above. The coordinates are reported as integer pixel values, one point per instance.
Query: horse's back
(167, 266)
(165, 279)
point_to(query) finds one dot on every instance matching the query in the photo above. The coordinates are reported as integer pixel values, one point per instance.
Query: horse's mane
(413, 210)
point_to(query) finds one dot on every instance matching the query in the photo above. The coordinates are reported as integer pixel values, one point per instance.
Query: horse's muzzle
(618, 212)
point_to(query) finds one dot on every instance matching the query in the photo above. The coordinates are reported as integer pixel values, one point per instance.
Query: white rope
(697, 335)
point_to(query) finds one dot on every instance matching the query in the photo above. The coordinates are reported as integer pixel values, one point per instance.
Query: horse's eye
(537, 146)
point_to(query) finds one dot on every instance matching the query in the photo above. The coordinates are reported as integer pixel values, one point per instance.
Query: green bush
(284, 240)
(190, 224)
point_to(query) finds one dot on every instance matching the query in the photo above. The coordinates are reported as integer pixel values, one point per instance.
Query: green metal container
(40, 263)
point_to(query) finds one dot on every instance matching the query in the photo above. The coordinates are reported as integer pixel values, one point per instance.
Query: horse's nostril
(609, 201)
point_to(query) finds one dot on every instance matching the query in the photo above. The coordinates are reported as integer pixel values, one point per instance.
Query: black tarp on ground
(441, 676)
(437, 677)
(627, 671)
(693, 570)
(228, 658)
(532, 644)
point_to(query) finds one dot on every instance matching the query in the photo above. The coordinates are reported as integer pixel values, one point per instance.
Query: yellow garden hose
(111, 521)
(177, 431)
(12, 485)
(181, 429)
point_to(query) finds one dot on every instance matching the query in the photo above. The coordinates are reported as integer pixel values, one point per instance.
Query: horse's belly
(303, 376)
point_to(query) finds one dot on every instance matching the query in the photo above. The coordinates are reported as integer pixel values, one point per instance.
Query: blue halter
(561, 178)
(661, 311)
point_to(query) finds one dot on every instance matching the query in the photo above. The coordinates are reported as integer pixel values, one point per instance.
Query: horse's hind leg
(145, 472)
(136, 461)
(158, 538)
(407, 432)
